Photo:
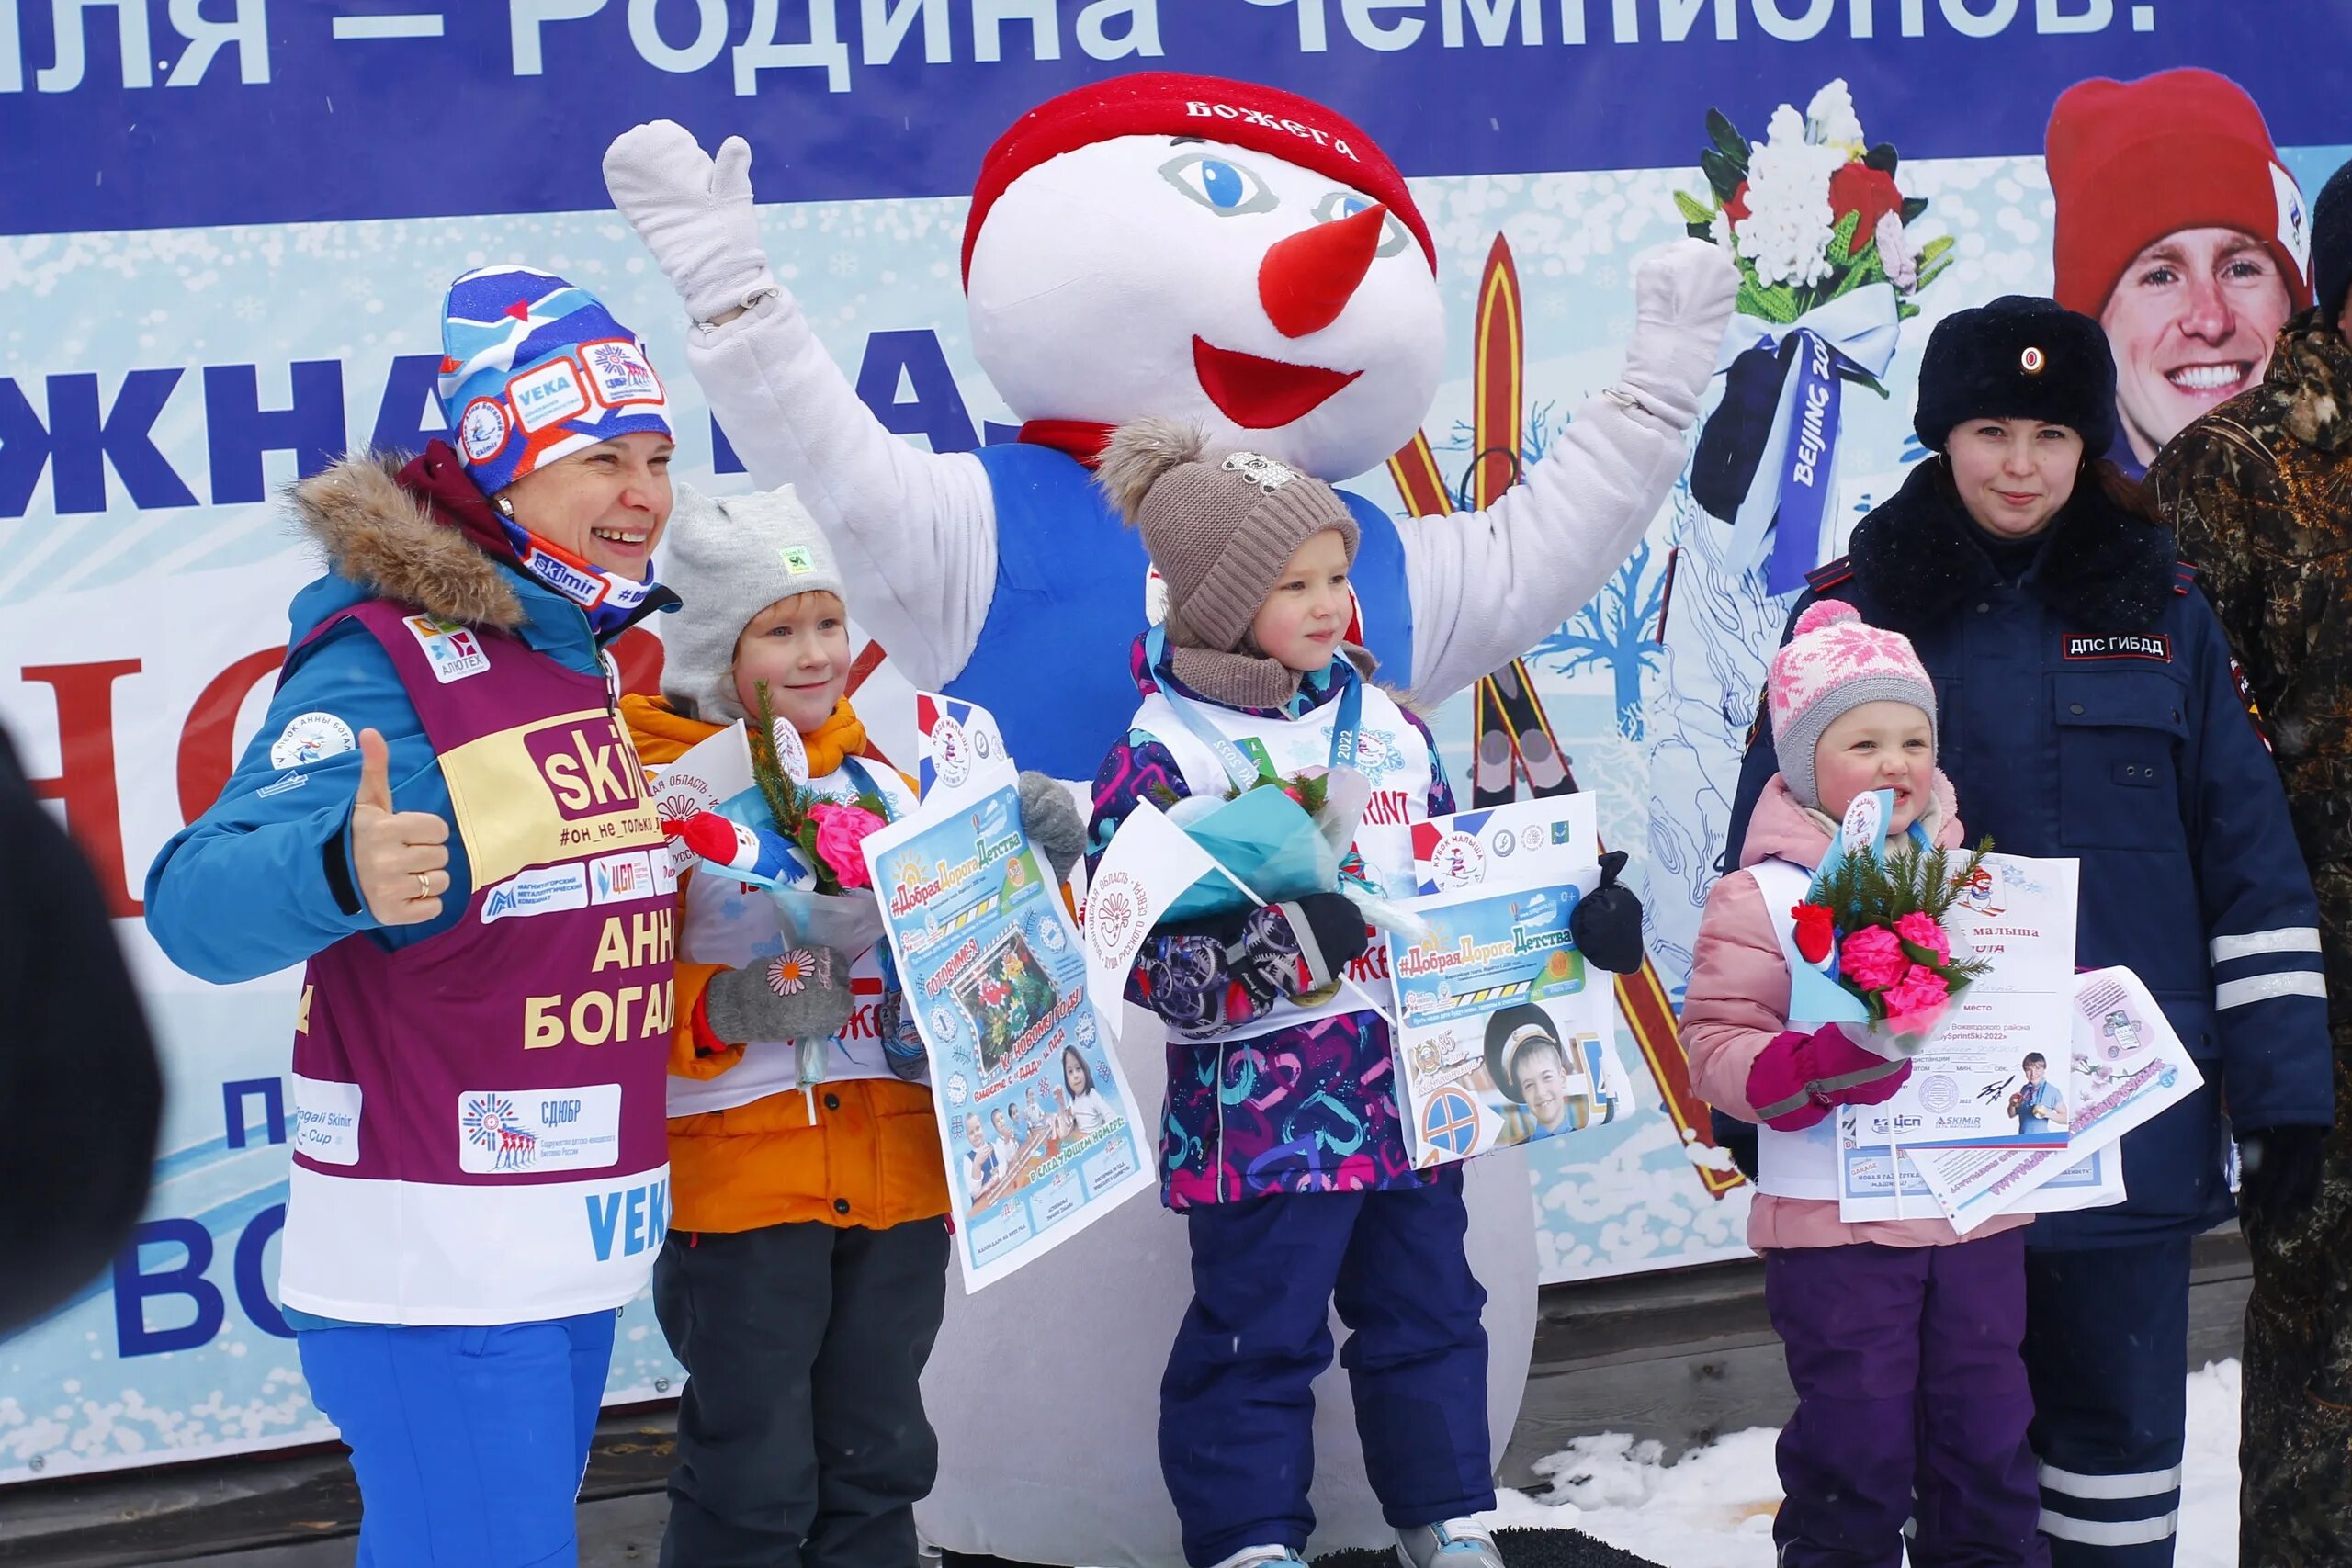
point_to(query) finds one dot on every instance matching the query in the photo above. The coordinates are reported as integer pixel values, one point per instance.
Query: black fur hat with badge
(2332, 245)
(2018, 357)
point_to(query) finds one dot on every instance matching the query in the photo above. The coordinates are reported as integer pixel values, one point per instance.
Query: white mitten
(693, 211)
(1683, 293)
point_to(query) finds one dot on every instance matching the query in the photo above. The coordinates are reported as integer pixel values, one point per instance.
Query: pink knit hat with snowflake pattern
(1832, 664)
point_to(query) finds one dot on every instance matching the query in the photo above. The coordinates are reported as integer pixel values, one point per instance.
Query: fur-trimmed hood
(384, 537)
(2103, 569)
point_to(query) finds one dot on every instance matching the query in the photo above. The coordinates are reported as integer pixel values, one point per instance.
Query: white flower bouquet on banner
(1818, 228)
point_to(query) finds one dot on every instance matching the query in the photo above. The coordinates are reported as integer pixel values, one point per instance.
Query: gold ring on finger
(423, 886)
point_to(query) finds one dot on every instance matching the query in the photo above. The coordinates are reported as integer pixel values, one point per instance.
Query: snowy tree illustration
(1545, 422)
(1617, 630)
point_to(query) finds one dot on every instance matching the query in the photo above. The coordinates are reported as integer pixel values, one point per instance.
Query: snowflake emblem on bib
(1379, 755)
(492, 1125)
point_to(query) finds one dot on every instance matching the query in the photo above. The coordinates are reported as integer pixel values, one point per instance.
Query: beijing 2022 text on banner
(225, 226)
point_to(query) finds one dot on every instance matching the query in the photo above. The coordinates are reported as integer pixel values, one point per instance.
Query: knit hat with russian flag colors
(1834, 663)
(534, 368)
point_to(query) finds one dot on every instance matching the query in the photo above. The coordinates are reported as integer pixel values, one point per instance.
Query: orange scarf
(842, 735)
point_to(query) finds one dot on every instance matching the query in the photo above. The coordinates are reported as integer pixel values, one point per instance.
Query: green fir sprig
(1868, 890)
(1311, 791)
(788, 802)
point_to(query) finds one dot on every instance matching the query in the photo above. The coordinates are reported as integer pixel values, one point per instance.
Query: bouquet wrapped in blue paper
(1282, 838)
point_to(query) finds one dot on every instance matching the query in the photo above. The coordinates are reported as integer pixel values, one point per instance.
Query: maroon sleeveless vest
(479, 1129)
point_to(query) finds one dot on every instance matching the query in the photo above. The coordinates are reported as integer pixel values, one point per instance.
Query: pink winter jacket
(1738, 999)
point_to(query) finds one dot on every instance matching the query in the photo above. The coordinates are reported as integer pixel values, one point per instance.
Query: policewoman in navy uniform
(2089, 710)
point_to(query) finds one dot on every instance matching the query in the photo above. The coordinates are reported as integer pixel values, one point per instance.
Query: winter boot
(1264, 1557)
(1453, 1543)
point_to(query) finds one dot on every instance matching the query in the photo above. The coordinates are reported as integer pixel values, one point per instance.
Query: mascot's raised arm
(1183, 246)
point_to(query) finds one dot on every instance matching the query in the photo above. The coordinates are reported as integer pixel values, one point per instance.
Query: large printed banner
(225, 226)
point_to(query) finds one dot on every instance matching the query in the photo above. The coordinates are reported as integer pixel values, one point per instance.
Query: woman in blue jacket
(435, 820)
(2089, 711)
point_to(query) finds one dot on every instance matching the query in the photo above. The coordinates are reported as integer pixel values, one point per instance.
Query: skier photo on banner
(2182, 235)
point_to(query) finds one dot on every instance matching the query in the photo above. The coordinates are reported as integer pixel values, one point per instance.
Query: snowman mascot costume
(1244, 258)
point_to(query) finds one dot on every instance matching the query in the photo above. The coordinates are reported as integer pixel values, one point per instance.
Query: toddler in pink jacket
(1902, 1338)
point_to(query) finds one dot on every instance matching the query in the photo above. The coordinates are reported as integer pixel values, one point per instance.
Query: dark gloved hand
(1738, 1137)
(744, 1005)
(1331, 932)
(2278, 1173)
(1205, 976)
(1742, 1146)
(1607, 922)
(1052, 820)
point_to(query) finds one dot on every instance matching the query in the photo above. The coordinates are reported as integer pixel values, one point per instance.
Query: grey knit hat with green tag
(726, 561)
(1218, 527)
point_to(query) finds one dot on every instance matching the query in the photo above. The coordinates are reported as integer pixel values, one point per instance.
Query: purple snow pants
(1911, 1406)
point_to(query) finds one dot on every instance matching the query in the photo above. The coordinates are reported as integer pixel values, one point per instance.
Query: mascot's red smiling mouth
(1263, 394)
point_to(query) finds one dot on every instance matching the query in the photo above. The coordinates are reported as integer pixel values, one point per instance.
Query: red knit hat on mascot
(1167, 103)
(2131, 161)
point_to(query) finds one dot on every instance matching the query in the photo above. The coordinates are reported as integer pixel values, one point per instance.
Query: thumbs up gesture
(398, 858)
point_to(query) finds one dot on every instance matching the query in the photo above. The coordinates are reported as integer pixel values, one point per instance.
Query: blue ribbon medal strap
(1241, 769)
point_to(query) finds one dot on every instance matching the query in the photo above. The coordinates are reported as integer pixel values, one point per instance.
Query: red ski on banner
(1513, 736)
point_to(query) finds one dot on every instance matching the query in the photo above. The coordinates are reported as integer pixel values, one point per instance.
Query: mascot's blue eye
(1224, 186)
(1394, 236)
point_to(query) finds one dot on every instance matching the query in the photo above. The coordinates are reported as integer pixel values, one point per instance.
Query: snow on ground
(1714, 1507)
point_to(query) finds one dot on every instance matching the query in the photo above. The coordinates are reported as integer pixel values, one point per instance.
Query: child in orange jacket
(804, 1276)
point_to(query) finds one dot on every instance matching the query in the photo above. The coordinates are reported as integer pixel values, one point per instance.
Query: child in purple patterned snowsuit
(1280, 1144)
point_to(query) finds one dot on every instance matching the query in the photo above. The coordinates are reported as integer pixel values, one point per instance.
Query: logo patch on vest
(2126, 646)
(551, 1129)
(540, 891)
(454, 651)
(624, 879)
(586, 768)
(326, 1119)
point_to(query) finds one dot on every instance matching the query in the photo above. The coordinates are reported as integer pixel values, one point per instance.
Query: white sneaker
(1264, 1557)
(1454, 1543)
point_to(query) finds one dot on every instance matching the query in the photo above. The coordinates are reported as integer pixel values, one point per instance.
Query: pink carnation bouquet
(1879, 925)
(807, 849)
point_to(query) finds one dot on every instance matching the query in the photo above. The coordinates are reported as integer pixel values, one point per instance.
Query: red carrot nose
(1306, 280)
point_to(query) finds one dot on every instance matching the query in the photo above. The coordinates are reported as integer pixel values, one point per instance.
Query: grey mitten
(780, 1000)
(1051, 817)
